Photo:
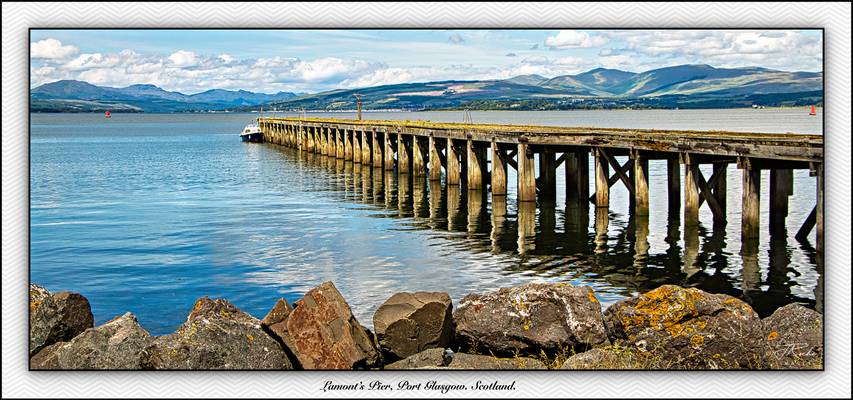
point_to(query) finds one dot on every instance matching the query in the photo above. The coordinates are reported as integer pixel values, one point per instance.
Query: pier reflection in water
(623, 253)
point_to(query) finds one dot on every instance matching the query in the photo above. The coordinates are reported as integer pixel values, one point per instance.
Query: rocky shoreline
(533, 326)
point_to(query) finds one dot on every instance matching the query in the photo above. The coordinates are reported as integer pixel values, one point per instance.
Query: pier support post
(720, 191)
(641, 184)
(377, 147)
(418, 167)
(365, 148)
(402, 154)
(751, 213)
(356, 148)
(673, 178)
(476, 163)
(602, 184)
(781, 186)
(348, 151)
(434, 160)
(453, 164)
(547, 175)
(498, 171)
(389, 152)
(691, 192)
(526, 174)
(339, 143)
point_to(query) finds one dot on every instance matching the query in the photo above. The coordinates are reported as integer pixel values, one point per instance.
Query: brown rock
(216, 335)
(58, 318)
(689, 328)
(795, 337)
(408, 323)
(116, 344)
(323, 334)
(431, 358)
(530, 319)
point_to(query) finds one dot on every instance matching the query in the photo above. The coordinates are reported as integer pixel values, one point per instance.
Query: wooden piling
(388, 158)
(781, 187)
(402, 154)
(691, 191)
(526, 174)
(602, 184)
(418, 166)
(819, 212)
(547, 175)
(366, 153)
(453, 163)
(434, 160)
(377, 147)
(673, 179)
(641, 184)
(750, 200)
(474, 180)
(499, 178)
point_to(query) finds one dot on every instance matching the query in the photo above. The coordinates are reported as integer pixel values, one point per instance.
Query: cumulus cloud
(572, 39)
(183, 58)
(51, 49)
(788, 50)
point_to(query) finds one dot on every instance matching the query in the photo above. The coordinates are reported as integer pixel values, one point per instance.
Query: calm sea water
(146, 213)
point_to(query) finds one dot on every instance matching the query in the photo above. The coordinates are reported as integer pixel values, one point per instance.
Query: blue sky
(315, 60)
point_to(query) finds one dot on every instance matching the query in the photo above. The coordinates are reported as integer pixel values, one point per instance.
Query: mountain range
(685, 86)
(71, 96)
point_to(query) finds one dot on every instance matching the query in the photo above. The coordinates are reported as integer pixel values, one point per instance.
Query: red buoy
(813, 111)
(107, 114)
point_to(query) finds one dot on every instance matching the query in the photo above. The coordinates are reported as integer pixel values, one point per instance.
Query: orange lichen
(664, 308)
(591, 296)
(773, 335)
(697, 340)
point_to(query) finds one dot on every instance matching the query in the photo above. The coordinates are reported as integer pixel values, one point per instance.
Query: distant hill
(686, 86)
(77, 96)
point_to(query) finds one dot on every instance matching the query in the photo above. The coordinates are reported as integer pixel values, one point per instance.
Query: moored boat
(252, 133)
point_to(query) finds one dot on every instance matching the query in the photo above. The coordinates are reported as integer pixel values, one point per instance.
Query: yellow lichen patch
(224, 314)
(773, 335)
(697, 341)
(591, 296)
(34, 305)
(664, 308)
(250, 337)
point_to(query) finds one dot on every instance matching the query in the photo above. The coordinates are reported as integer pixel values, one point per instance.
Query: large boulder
(57, 318)
(443, 359)
(116, 344)
(322, 332)
(689, 328)
(408, 323)
(430, 358)
(530, 319)
(216, 335)
(795, 337)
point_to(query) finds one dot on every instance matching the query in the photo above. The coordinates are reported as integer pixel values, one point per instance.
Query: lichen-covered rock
(37, 296)
(323, 334)
(430, 358)
(216, 335)
(277, 314)
(471, 361)
(689, 328)
(408, 323)
(116, 344)
(57, 318)
(529, 319)
(610, 358)
(795, 337)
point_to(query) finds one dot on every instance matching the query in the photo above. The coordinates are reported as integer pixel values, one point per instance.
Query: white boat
(252, 133)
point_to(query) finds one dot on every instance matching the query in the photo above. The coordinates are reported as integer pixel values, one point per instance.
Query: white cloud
(571, 39)
(456, 38)
(183, 58)
(51, 49)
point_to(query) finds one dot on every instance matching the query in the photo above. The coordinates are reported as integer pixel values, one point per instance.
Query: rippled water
(146, 213)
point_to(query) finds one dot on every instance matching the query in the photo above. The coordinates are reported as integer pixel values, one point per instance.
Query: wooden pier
(476, 157)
